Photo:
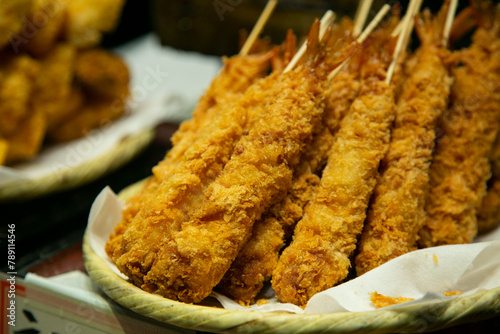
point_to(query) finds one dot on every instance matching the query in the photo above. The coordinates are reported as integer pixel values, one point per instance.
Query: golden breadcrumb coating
(396, 212)
(460, 168)
(324, 239)
(195, 260)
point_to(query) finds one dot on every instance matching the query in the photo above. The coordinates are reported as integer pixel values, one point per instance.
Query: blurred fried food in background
(56, 84)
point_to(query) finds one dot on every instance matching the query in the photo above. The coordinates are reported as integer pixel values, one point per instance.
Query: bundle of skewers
(354, 150)
(56, 84)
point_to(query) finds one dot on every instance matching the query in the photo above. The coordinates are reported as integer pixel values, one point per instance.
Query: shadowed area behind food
(215, 27)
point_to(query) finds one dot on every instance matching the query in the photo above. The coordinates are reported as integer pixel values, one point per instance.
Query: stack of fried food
(301, 178)
(55, 83)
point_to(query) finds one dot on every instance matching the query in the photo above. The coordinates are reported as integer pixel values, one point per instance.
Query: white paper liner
(424, 274)
(165, 85)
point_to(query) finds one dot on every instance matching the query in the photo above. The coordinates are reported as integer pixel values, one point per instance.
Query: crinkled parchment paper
(423, 275)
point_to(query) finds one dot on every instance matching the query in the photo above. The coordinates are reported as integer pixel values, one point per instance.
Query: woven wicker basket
(125, 150)
(417, 318)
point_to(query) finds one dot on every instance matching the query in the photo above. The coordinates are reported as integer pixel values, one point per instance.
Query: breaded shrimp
(488, 214)
(396, 213)
(235, 77)
(238, 73)
(257, 259)
(325, 237)
(182, 191)
(460, 168)
(197, 257)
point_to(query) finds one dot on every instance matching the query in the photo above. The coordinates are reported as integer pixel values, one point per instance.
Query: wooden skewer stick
(361, 15)
(403, 38)
(257, 29)
(398, 28)
(373, 24)
(326, 21)
(449, 21)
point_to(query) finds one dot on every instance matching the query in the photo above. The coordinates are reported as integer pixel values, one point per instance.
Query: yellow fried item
(182, 191)
(17, 75)
(232, 81)
(326, 236)
(45, 22)
(237, 74)
(259, 168)
(345, 87)
(12, 13)
(26, 142)
(396, 213)
(195, 260)
(54, 84)
(94, 114)
(4, 146)
(460, 168)
(87, 20)
(257, 259)
(102, 74)
(488, 214)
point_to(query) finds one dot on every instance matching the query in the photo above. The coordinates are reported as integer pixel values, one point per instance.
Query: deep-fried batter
(4, 146)
(12, 13)
(460, 167)
(17, 75)
(26, 142)
(324, 239)
(235, 77)
(182, 191)
(44, 24)
(87, 20)
(93, 114)
(102, 74)
(195, 260)
(396, 213)
(54, 84)
(257, 259)
(488, 214)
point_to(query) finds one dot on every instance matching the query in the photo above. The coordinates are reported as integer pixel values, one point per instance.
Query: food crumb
(262, 301)
(435, 258)
(453, 293)
(382, 301)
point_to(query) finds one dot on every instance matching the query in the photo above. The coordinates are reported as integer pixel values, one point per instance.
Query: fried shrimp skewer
(238, 74)
(325, 237)
(396, 212)
(180, 193)
(345, 87)
(254, 264)
(460, 168)
(257, 259)
(196, 259)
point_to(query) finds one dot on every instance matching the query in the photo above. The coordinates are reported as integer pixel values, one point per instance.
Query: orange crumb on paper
(262, 301)
(435, 258)
(453, 293)
(382, 301)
